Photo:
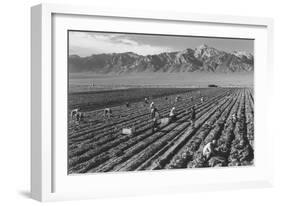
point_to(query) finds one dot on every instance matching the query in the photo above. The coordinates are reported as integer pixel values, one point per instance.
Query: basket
(128, 131)
(164, 121)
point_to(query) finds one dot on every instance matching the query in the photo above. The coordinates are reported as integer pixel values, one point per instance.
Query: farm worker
(77, 117)
(74, 113)
(152, 112)
(233, 118)
(178, 98)
(202, 99)
(127, 104)
(107, 113)
(145, 100)
(152, 106)
(172, 114)
(155, 118)
(80, 116)
(192, 115)
(191, 99)
(208, 149)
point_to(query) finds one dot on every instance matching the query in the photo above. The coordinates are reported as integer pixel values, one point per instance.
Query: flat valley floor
(80, 82)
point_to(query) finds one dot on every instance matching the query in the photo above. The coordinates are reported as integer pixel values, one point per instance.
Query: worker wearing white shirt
(152, 106)
(172, 114)
(208, 149)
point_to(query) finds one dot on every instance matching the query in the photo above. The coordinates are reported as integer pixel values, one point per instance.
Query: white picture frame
(49, 181)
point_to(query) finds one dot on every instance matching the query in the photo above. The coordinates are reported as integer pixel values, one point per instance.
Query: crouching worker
(155, 119)
(80, 117)
(74, 113)
(233, 118)
(178, 98)
(107, 113)
(208, 150)
(172, 115)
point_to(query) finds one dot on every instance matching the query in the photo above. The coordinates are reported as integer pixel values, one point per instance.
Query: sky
(88, 43)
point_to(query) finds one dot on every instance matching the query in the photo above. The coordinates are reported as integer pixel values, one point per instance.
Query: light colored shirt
(208, 149)
(172, 113)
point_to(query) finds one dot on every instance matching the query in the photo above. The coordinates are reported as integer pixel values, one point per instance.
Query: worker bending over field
(74, 112)
(178, 98)
(202, 99)
(77, 115)
(155, 119)
(233, 118)
(80, 117)
(208, 150)
(172, 115)
(107, 113)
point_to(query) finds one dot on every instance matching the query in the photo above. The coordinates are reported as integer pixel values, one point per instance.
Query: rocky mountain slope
(201, 59)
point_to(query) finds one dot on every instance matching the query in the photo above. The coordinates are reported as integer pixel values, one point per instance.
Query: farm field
(93, 100)
(97, 144)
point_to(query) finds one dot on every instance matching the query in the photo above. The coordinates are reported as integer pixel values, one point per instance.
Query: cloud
(129, 42)
(87, 43)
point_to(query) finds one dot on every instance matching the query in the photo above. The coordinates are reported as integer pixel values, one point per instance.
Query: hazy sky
(88, 43)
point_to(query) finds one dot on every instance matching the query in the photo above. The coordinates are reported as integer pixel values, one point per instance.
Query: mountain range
(200, 59)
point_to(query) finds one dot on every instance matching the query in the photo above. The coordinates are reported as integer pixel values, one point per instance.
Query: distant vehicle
(213, 85)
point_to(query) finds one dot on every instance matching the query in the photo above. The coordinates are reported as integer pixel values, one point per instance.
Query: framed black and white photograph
(149, 102)
(137, 102)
